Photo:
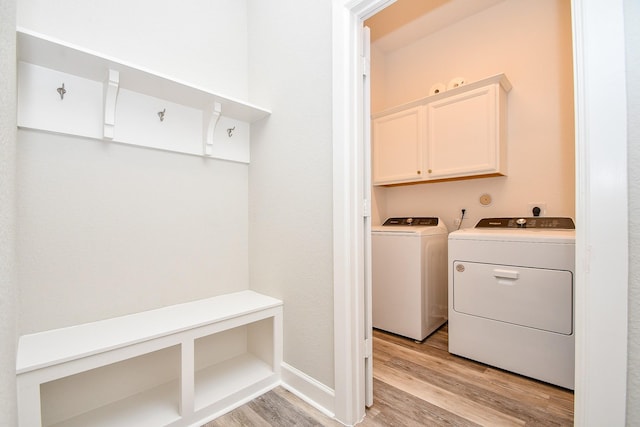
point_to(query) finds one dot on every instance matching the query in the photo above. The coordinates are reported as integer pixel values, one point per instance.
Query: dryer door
(530, 297)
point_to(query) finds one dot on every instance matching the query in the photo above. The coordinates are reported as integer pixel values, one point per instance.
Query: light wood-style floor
(421, 384)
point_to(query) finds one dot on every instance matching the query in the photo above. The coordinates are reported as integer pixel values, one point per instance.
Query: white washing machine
(409, 276)
(511, 296)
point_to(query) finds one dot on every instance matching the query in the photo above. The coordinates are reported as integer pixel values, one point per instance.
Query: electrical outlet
(541, 205)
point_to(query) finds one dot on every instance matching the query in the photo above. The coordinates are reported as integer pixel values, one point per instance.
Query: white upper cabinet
(66, 89)
(459, 133)
(397, 146)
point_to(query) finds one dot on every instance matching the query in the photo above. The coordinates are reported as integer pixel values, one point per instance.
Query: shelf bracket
(111, 86)
(211, 120)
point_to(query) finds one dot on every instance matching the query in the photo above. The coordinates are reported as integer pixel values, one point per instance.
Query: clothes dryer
(511, 296)
(409, 276)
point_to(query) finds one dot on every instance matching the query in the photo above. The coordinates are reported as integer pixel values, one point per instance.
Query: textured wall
(632, 31)
(8, 286)
(290, 176)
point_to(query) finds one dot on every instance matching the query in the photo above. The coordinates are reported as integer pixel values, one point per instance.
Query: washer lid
(412, 221)
(412, 225)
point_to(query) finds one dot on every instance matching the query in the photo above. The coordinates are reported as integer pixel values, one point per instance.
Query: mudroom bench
(180, 365)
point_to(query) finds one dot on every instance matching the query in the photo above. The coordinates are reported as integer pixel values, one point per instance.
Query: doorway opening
(600, 115)
(419, 49)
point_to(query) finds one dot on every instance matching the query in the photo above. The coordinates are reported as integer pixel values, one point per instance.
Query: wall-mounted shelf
(455, 134)
(106, 98)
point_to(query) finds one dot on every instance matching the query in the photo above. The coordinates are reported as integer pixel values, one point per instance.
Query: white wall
(185, 219)
(531, 43)
(290, 176)
(107, 229)
(632, 15)
(202, 42)
(8, 283)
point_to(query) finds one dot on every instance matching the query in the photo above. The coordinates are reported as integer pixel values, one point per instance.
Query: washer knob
(409, 221)
(521, 222)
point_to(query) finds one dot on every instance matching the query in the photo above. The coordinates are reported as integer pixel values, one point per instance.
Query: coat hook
(161, 114)
(230, 131)
(61, 91)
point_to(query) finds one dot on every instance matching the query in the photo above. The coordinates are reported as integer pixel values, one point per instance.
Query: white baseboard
(308, 389)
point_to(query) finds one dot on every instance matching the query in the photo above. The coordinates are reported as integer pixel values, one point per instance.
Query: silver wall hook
(61, 90)
(230, 131)
(161, 114)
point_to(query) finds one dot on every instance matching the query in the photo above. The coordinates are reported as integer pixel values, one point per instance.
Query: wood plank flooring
(421, 384)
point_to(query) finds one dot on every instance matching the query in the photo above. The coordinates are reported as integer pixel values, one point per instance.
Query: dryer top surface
(516, 235)
(520, 229)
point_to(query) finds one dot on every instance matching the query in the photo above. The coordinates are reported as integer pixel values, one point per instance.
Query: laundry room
(472, 118)
(415, 51)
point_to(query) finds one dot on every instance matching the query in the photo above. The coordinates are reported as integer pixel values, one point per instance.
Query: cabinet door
(463, 134)
(397, 146)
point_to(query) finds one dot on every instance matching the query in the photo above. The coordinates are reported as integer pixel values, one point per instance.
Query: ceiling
(408, 20)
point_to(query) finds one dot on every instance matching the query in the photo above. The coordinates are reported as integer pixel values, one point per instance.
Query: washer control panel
(419, 220)
(547, 222)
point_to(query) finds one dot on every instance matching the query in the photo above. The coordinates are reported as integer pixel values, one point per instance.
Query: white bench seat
(218, 352)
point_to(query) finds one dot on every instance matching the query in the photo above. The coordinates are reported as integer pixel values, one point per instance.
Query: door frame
(601, 211)
(350, 348)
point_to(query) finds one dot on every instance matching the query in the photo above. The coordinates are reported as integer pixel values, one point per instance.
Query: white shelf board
(214, 383)
(155, 407)
(58, 55)
(56, 346)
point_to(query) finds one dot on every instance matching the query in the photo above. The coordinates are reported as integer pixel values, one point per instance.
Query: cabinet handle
(429, 171)
(419, 172)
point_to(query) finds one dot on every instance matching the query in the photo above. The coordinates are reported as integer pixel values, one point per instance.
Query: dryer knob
(409, 221)
(521, 222)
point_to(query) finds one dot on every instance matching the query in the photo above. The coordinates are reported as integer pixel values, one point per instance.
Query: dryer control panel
(419, 220)
(550, 222)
